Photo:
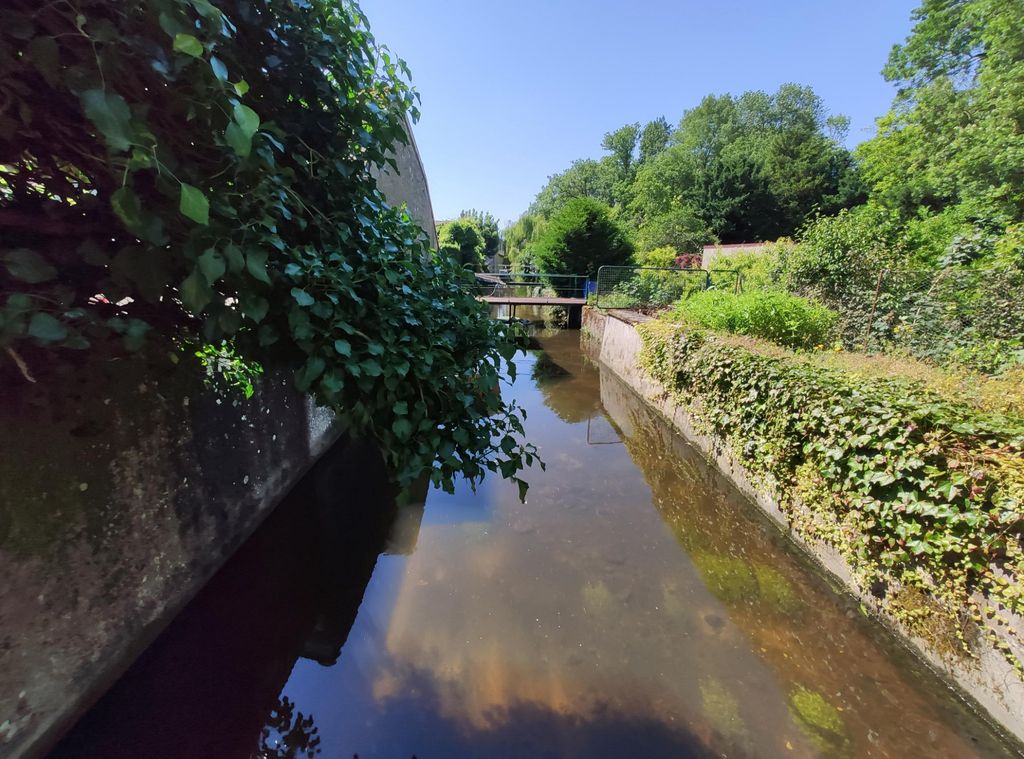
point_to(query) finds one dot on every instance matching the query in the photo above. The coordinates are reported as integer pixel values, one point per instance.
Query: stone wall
(989, 682)
(121, 494)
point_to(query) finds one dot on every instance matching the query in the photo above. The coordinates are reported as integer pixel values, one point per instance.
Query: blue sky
(513, 91)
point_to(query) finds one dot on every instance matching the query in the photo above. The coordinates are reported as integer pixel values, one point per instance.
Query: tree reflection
(573, 396)
(288, 734)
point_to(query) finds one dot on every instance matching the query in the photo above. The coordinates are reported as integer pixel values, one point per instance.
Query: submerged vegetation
(917, 492)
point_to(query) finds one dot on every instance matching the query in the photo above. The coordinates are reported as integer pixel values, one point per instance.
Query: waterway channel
(634, 606)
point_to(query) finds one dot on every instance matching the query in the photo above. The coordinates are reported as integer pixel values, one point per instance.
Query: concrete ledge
(989, 683)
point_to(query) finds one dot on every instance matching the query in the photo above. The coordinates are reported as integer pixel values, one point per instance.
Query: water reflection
(634, 607)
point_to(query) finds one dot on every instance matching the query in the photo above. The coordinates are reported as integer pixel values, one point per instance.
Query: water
(635, 606)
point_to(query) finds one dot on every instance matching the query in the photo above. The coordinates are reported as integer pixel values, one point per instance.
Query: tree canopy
(463, 241)
(736, 169)
(580, 238)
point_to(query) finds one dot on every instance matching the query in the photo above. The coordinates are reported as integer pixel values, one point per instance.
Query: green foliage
(745, 168)
(488, 227)
(658, 258)
(914, 491)
(520, 239)
(758, 269)
(462, 241)
(953, 135)
(776, 316)
(179, 173)
(580, 239)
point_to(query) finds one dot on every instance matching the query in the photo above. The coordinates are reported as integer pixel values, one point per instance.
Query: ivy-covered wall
(913, 502)
(122, 490)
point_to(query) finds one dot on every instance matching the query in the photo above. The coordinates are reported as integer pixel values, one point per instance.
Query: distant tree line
(734, 169)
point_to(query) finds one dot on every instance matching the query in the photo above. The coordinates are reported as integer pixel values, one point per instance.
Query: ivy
(177, 174)
(919, 494)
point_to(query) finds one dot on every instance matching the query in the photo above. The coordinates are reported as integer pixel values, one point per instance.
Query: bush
(658, 258)
(776, 316)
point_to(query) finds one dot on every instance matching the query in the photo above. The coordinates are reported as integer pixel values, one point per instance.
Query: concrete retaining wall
(989, 682)
(121, 494)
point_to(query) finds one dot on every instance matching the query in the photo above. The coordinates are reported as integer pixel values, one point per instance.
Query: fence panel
(643, 288)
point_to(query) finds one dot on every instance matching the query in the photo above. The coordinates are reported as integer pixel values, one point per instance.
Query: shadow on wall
(210, 684)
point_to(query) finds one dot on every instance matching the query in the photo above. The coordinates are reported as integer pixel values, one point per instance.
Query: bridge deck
(527, 300)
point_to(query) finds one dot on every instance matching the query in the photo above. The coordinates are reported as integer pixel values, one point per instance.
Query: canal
(634, 606)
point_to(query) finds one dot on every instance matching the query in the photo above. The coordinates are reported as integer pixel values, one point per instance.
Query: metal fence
(508, 283)
(643, 288)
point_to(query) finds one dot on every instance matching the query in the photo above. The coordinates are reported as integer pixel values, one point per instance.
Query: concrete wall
(409, 185)
(121, 494)
(990, 681)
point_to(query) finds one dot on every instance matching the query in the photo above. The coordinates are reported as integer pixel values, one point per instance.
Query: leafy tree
(462, 241)
(520, 239)
(583, 179)
(488, 227)
(654, 138)
(581, 238)
(954, 133)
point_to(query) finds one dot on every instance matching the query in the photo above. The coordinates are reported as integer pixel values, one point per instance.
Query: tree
(581, 238)
(583, 179)
(520, 239)
(462, 240)
(954, 133)
(654, 138)
(488, 227)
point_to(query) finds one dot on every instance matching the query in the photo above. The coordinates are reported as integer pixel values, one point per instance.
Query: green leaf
(110, 114)
(401, 408)
(309, 372)
(247, 119)
(196, 292)
(28, 266)
(241, 87)
(205, 8)
(43, 53)
(524, 486)
(302, 297)
(256, 265)
(239, 141)
(255, 307)
(194, 204)
(126, 205)
(235, 259)
(343, 347)
(46, 328)
(212, 264)
(402, 428)
(187, 44)
(219, 69)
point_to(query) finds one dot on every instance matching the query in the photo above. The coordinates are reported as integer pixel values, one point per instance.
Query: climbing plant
(922, 496)
(181, 173)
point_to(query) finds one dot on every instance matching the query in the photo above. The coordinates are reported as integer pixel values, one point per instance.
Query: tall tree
(654, 138)
(955, 134)
(580, 238)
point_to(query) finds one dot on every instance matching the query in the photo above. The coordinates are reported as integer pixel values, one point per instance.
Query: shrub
(658, 258)
(776, 316)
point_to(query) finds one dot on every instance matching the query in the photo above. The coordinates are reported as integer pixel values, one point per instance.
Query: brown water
(635, 606)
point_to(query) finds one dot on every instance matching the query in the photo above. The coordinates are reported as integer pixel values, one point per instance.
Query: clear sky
(514, 91)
